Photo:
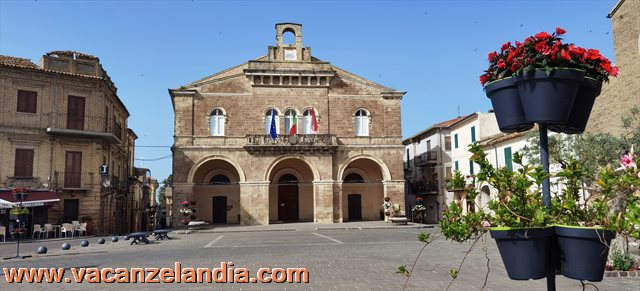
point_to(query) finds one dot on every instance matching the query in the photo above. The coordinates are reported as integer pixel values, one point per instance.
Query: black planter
(524, 252)
(20, 196)
(586, 96)
(583, 252)
(548, 98)
(507, 105)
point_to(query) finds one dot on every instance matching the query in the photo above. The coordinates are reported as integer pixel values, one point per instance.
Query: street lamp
(20, 194)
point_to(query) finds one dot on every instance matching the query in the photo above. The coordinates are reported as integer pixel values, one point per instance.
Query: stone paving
(338, 257)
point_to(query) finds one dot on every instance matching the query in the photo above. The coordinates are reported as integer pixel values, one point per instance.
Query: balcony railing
(256, 143)
(427, 157)
(423, 187)
(73, 180)
(71, 124)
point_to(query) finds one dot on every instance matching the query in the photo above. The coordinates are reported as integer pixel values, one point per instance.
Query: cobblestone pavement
(347, 259)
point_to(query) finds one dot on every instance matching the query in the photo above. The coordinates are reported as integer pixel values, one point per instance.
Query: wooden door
(219, 208)
(354, 204)
(75, 113)
(288, 203)
(70, 211)
(73, 170)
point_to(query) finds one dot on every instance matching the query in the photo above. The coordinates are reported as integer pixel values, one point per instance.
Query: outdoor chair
(3, 233)
(82, 229)
(66, 227)
(36, 228)
(47, 229)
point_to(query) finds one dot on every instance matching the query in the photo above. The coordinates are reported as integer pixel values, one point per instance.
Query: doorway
(288, 203)
(219, 208)
(354, 204)
(70, 211)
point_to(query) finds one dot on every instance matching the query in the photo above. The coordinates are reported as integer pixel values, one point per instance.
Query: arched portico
(362, 189)
(216, 191)
(291, 191)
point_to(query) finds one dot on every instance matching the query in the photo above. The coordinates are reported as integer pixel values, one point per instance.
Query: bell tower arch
(289, 52)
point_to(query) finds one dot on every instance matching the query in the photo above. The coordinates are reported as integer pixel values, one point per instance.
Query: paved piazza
(353, 259)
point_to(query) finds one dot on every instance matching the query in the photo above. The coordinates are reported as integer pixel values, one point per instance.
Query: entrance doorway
(70, 210)
(219, 208)
(354, 204)
(288, 203)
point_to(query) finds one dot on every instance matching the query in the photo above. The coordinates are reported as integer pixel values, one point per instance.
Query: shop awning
(35, 198)
(5, 204)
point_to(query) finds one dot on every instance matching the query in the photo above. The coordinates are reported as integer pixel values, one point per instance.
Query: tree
(166, 183)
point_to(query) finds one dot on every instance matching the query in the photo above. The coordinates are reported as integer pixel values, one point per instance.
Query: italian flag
(294, 124)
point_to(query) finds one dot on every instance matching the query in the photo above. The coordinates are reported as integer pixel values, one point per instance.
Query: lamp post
(21, 196)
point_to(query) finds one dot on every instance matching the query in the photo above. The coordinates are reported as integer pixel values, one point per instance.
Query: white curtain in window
(267, 123)
(362, 125)
(307, 124)
(216, 123)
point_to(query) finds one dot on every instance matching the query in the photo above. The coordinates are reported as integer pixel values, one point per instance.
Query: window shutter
(456, 166)
(27, 101)
(365, 125)
(455, 140)
(213, 125)
(267, 123)
(508, 158)
(24, 163)
(473, 134)
(471, 172)
(221, 125)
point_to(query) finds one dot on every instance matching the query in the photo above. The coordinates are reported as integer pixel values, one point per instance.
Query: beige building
(225, 159)
(624, 91)
(60, 122)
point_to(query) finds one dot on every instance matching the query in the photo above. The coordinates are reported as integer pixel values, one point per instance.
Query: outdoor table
(138, 237)
(161, 234)
(56, 229)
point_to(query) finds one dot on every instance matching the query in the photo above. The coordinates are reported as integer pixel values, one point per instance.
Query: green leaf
(402, 270)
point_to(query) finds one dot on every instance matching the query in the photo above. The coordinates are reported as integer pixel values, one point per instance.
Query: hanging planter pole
(546, 195)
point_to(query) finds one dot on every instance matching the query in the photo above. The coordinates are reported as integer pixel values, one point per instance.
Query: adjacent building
(287, 137)
(427, 164)
(466, 131)
(63, 134)
(624, 91)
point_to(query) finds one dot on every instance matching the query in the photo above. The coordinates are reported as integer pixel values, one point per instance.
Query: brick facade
(288, 78)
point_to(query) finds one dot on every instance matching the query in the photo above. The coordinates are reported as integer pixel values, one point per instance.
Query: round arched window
(353, 178)
(220, 180)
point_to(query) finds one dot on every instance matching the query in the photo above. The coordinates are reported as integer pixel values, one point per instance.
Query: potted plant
(584, 230)
(597, 70)
(518, 217)
(501, 88)
(20, 193)
(18, 212)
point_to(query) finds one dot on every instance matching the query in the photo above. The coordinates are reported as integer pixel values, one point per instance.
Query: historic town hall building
(342, 157)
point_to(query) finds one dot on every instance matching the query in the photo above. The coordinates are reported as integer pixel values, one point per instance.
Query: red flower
(593, 54)
(501, 64)
(560, 31)
(493, 56)
(505, 46)
(542, 35)
(484, 79)
(614, 71)
(565, 55)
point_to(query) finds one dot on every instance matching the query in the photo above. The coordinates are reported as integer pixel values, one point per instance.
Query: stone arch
(268, 173)
(362, 201)
(362, 173)
(196, 166)
(386, 174)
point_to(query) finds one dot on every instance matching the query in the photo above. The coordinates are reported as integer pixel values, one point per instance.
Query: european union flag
(273, 132)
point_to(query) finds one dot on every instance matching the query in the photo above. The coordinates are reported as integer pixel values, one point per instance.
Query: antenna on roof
(459, 111)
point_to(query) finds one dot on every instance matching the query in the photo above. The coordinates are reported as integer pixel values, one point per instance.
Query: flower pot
(20, 196)
(549, 98)
(586, 96)
(507, 105)
(524, 252)
(583, 251)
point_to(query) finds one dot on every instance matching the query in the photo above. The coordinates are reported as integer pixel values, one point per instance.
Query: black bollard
(114, 239)
(42, 250)
(66, 246)
(101, 241)
(84, 243)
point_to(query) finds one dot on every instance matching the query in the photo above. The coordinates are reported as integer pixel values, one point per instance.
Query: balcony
(423, 187)
(83, 126)
(73, 180)
(428, 157)
(300, 143)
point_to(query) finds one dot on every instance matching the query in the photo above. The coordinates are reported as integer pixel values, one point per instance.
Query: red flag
(314, 120)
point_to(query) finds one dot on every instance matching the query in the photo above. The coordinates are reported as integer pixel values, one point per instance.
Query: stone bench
(399, 220)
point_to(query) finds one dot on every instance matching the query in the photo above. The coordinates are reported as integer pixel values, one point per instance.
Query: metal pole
(546, 196)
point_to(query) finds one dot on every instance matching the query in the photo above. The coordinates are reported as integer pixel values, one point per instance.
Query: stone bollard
(84, 243)
(66, 246)
(41, 250)
(114, 239)
(101, 241)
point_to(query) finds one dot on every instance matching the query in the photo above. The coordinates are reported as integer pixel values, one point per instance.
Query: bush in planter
(622, 261)
(519, 217)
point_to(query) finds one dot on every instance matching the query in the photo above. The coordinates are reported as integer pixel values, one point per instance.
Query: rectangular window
(362, 125)
(447, 143)
(75, 113)
(27, 101)
(508, 158)
(217, 125)
(455, 166)
(73, 169)
(24, 163)
(455, 141)
(473, 134)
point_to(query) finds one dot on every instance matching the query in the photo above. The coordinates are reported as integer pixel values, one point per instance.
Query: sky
(433, 49)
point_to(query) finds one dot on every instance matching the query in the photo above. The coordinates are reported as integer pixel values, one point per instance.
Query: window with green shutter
(473, 134)
(455, 141)
(471, 168)
(508, 158)
(456, 166)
